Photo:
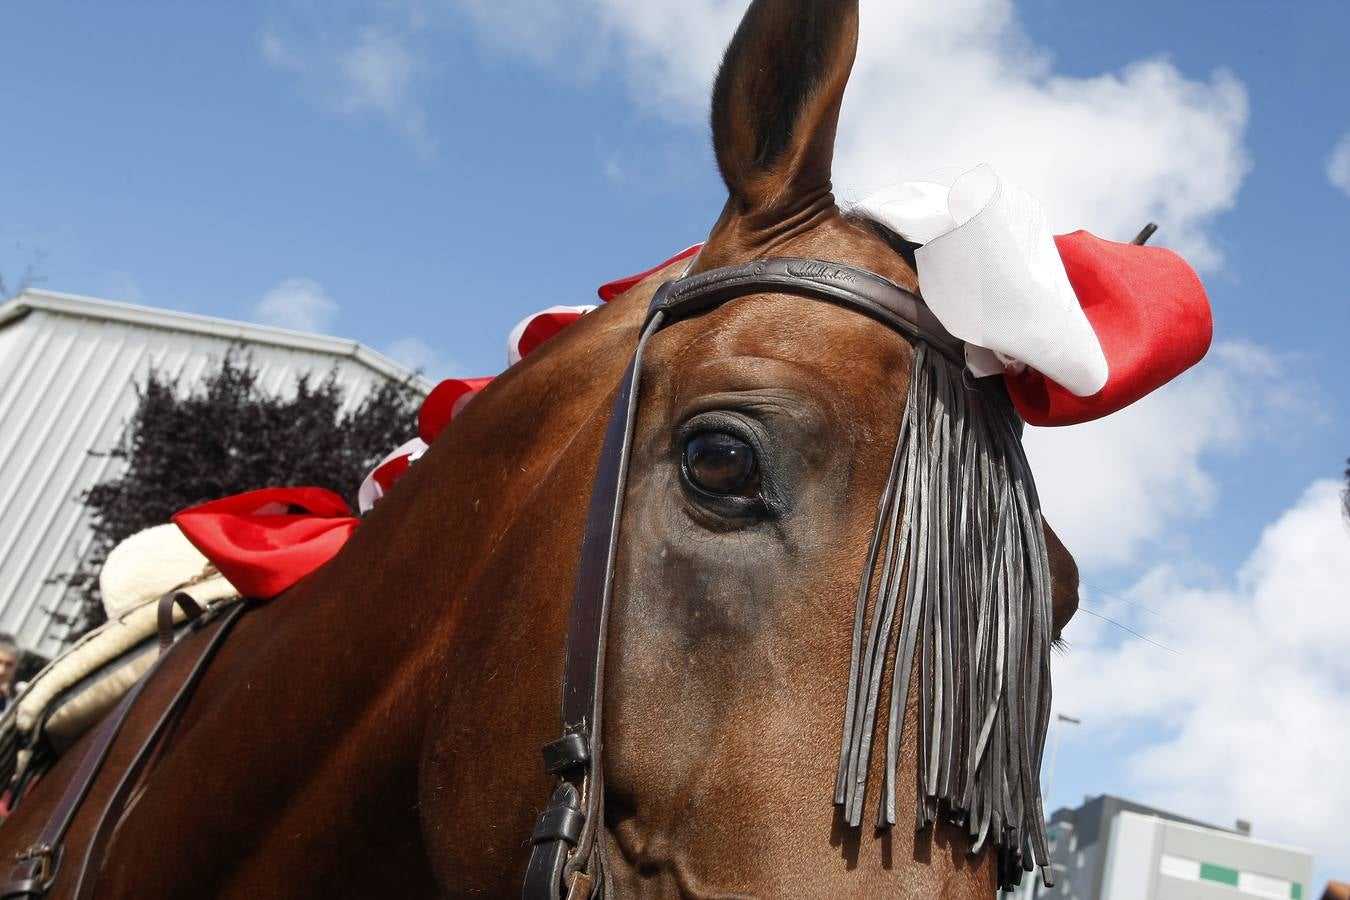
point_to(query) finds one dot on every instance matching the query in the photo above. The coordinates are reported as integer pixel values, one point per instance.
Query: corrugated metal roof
(69, 368)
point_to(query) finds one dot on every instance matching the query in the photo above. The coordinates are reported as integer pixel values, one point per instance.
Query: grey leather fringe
(961, 617)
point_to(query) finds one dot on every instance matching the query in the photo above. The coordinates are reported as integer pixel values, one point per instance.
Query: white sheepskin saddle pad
(81, 685)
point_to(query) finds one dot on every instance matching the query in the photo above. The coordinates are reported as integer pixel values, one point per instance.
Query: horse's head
(765, 440)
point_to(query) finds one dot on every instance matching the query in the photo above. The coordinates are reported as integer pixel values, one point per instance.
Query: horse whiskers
(1128, 602)
(965, 545)
(1126, 628)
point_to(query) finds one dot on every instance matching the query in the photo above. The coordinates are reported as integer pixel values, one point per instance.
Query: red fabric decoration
(259, 545)
(613, 289)
(1151, 316)
(444, 402)
(541, 327)
(392, 471)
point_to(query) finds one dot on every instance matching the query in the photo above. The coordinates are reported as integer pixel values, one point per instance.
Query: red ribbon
(444, 403)
(612, 289)
(1150, 313)
(543, 326)
(392, 471)
(260, 545)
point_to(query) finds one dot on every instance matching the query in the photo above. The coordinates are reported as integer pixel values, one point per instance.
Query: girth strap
(576, 757)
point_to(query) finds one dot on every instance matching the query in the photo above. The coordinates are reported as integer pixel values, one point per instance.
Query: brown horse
(376, 730)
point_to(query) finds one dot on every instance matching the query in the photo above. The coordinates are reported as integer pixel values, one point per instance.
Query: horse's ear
(776, 102)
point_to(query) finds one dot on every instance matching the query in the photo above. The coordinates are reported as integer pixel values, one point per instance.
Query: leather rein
(567, 860)
(37, 866)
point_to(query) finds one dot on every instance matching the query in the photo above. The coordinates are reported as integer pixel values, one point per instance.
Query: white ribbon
(990, 272)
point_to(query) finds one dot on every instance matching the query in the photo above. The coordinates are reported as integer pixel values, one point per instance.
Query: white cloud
(946, 86)
(416, 354)
(297, 303)
(1338, 164)
(371, 71)
(1113, 486)
(540, 30)
(1252, 712)
(275, 51)
(377, 72)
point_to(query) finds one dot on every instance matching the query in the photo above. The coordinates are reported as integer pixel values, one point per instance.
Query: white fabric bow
(990, 272)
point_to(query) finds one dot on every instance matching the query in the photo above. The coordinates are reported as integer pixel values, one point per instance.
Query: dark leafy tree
(227, 436)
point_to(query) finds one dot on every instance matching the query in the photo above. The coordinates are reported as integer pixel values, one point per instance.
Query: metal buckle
(580, 888)
(44, 854)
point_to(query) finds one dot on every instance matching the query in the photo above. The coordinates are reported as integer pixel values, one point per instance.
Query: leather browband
(564, 840)
(845, 285)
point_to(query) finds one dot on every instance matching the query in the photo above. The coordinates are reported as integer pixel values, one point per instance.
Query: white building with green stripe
(1114, 849)
(1150, 858)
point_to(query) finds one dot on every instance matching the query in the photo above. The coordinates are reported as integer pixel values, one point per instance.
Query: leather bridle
(566, 860)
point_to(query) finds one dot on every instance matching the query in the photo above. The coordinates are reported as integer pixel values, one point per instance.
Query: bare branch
(29, 278)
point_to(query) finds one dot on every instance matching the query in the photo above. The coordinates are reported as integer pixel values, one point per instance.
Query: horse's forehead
(806, 344)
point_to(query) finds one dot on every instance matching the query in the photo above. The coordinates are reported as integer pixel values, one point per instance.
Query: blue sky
(418, 175)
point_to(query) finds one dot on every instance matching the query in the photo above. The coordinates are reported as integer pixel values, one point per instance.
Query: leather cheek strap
(564, 839)
(562, 855)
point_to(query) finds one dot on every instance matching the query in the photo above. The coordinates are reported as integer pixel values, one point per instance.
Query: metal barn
(69, 367)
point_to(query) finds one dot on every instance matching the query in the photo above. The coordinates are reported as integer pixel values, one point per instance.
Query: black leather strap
(858, 289)
(555, 833)
(116, 805)
(38, 865)
(566, 753)
(583, 674)
(577, 756)
(165, 613)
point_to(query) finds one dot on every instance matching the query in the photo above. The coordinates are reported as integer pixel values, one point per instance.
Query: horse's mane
(966, 567)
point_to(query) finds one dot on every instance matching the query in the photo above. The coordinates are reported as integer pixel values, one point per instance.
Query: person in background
(9, 666)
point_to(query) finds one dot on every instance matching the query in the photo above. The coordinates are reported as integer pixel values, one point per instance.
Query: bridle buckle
(580, 886)
(44, 854)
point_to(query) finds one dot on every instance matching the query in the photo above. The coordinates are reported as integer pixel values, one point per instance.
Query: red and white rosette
(1078, 326)
(531, 331)
(387, 471)
(445, 401)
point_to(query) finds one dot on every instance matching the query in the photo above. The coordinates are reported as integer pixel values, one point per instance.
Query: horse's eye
(721, 463)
